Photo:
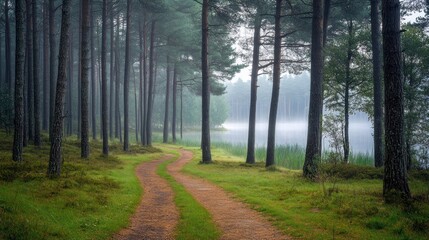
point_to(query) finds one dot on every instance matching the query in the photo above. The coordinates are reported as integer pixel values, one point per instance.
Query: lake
(288, 133)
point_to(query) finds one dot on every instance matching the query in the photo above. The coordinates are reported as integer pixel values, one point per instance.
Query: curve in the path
(156, 216)
(235, 219)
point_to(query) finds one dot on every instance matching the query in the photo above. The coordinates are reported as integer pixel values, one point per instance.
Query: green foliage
(354, 209)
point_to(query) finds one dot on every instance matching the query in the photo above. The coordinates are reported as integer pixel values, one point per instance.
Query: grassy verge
(93, 199)
(288, 156)
(333, 208)
(195, 222)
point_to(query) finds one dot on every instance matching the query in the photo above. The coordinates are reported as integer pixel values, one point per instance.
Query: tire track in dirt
(235, 219)
(156, 216)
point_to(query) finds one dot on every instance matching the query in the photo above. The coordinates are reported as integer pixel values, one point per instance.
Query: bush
(351, 171)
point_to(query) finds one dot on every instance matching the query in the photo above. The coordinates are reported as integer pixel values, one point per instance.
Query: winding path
(235, 219)
(156, 216)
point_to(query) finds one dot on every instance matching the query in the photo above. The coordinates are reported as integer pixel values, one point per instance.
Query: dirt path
(235, 219)
(157, 216)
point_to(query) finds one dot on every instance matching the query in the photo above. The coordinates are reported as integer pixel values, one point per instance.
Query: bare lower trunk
(174, 117)
(395, 173)
(52, 64)
(30, 77)
(127, 77)
(150, 86)
(205, 93)
(84, 78)
(45, 120)
(112, 74)
(19, 82)
(313, 148)
(104, 100)
(37, 141)
(167, 102)
(55, 159)
(276, 88)
(93, 80)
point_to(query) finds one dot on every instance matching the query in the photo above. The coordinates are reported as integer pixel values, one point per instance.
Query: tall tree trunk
(25, 140)
(205, 93)
(150, 85)
(79, 71)
(30, 77)
(52, 65)
(173, 120)
(126, 77)
(54, 168)
(69, 111)
(84, 78)
(118, 132)
(8, 69)
(378, 90)
(93, 80)
(254, 89)
(136, 107)
(276, 88)
(19, 82)
(37, 140)
(145, 83)
(104, 100)
(112, 74)
(347, 94)
(167, 101)
(45, 119)
(314, 148)
(181, 110)
(395, 173)
(141, 87)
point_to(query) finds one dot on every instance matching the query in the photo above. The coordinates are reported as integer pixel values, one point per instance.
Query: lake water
(288, 133)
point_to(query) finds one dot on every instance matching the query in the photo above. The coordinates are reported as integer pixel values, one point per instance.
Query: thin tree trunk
(378, 91)
(69, 111)
(276, 88)
(126, 77)
(395, 173)
(145, 84)
(79, 71)
(112, 74)
(52, 65)
(104, 100)
(19, 82)
(136, 107)
(84, 78)
(150, 85)
(25, 140)
(54, 168)
(118, 133)
(37, 141)
(167, 101)
(181, 110)
(93, 88)
(45, 120)
(173, 120)
(30, 77)
(314, 148)
(254, 89)
(205, 131)
(141, 87)
(8, 69)
(347, 94)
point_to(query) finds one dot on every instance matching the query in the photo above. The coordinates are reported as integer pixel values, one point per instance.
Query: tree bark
(37, 141)
(69, 101)
(30, 77)
(150, 85)
(19, 82)
(79, 73)
(104, 100)
(142, 86)
(205, 93)
(112, 74)
(127, 77)
(118, 132)
(378, 90)
(395, 174)
(254, 89)
(84, 78)
(54, 168)
(347, 94)
(8, 70)
(45, 119)
(276, 88)
(145, 83)
(174, 117)
(313, 148)
(52, 65)
(167, 102)
(93, 80)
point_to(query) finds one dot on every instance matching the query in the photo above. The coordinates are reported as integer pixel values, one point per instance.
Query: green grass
(92, 199)
(195, 222)
(332, 208)
(287, 156)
